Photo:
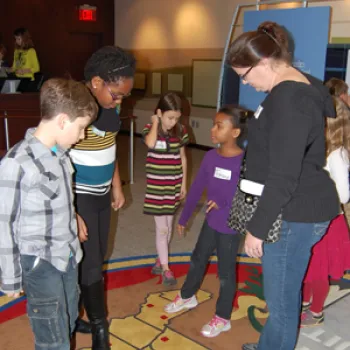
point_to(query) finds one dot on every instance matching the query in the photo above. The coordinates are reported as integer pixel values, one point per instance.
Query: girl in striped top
(166, 169)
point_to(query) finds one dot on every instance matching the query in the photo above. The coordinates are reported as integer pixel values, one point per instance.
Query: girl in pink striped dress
(166, 169)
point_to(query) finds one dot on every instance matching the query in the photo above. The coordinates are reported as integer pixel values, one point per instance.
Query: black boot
(94, 302)
(82, 326)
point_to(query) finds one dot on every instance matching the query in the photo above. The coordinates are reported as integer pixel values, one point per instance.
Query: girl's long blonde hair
(338, 129)
(338, 133)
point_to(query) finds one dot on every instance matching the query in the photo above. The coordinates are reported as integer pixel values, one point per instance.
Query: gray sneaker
(168, 278)
(250, 346)
(305, 307)
(308, 319)
(157, 268)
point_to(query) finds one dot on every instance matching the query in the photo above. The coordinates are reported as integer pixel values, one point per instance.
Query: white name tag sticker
(258, 112)
(160, 145)
(222, 174)
(98, 132)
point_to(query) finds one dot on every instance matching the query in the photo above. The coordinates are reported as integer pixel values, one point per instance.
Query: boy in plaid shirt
(39, 246)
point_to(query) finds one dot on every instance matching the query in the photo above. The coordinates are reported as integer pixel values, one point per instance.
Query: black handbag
(243, 208)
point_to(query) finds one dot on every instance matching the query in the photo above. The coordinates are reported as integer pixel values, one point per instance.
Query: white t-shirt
(338, 168)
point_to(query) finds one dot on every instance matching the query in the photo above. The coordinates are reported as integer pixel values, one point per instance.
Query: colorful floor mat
(136, 300)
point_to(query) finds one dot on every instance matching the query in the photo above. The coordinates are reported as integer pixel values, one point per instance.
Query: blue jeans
(284, 266)
(52, 302)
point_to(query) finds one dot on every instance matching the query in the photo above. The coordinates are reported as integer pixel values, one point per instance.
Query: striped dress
(164, 174)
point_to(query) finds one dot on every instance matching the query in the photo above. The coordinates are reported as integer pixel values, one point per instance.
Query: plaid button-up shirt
(37, 216)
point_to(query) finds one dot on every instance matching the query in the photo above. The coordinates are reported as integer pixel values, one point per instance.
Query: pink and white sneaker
(179, 304)
(215, 327)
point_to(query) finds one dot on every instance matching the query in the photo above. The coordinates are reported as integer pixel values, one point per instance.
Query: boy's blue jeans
(52, 302)
(284, 266)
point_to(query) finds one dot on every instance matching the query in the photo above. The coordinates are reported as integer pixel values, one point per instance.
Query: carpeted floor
(137, 321)
(136, 298)
(135, 302)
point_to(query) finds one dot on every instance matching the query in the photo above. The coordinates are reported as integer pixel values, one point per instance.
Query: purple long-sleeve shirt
(219, 176)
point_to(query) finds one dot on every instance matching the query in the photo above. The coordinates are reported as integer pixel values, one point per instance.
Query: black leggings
(96, 212)
(226, 246)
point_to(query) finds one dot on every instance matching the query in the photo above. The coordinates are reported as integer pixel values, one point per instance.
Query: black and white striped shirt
(37, 216)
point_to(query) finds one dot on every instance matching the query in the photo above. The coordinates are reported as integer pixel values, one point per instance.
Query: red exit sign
(87, 14)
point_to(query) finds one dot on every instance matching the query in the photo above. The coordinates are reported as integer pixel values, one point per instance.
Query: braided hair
(111, 64)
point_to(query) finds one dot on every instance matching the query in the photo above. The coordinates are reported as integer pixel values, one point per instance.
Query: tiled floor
(333, 334)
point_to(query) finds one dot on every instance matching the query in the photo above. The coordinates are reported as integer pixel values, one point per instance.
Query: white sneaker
(180, 304)
(215, 327)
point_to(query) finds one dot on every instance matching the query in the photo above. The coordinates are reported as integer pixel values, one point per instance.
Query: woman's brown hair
(270, 40)
(27, 42)
(170, 101)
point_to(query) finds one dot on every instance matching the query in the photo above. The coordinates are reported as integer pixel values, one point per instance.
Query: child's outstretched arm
(151, 137)
(194, 194)
(12, 184)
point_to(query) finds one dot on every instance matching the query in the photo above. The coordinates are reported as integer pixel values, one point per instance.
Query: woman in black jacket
(284, 161)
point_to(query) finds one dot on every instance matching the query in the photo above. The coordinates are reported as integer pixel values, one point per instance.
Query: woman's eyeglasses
(244, 76)
(115, 97)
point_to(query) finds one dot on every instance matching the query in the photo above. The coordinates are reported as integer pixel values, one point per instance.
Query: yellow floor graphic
(149, 328)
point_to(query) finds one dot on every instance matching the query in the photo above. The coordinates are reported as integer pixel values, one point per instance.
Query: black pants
(96, 212)
(226, 246)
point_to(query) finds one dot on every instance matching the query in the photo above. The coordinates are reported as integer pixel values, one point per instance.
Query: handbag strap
(243, 166)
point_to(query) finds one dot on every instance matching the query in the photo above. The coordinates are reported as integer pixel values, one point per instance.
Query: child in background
(218, 174)
(25, 60)
(340, 92)
(330, 256)
(166, 168)
(39, 245)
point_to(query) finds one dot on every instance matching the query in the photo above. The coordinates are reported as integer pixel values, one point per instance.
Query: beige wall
(340, 19)
(166, 35)
(194, 24)
(166, 58)
(167, 24)
(170, 61)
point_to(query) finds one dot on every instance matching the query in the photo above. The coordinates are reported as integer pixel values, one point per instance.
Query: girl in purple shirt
(218, 174)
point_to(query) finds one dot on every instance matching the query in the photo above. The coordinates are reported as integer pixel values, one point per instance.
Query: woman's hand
(253, 246)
